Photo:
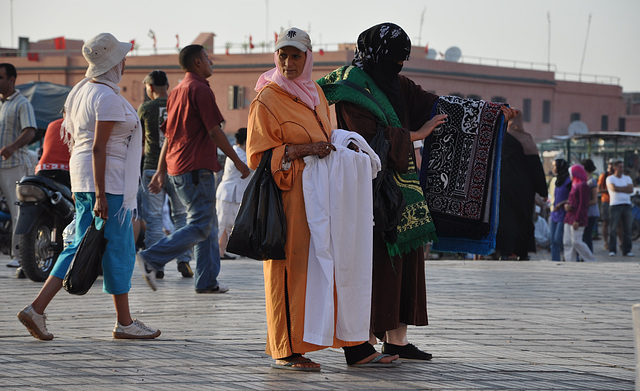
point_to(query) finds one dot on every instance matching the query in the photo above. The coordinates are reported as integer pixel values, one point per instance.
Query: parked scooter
(46, 208)
(5, 226)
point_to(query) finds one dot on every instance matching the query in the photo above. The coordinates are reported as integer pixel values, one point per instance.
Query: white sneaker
(136, 330)
(628, 254)
(35, 323)
(612, 254)
(14, 262)
(148, 273)
(223, 288)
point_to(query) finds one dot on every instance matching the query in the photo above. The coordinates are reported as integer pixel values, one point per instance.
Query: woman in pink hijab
(576, 218)
(290, 117)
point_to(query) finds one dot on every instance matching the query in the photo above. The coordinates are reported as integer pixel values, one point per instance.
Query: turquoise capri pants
(118, 261)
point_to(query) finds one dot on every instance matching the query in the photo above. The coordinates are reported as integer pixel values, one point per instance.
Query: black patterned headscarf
(378, 51)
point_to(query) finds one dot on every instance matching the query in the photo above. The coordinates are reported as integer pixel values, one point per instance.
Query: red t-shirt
(55, 153)
(191, 111)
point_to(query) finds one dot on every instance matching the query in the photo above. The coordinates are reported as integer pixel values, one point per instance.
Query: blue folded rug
(461, 174)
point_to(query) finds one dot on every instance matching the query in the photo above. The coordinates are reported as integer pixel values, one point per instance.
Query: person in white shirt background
(229, 193)
(620, 187)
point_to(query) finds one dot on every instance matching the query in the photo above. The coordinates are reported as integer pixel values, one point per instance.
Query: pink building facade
(549, 105)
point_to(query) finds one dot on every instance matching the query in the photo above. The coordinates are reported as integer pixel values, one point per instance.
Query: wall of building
(489, 83)
(514, 85)
(591, 102)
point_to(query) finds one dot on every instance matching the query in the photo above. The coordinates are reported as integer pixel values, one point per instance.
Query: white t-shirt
(95, 102)
(232, 186)
(616, 197)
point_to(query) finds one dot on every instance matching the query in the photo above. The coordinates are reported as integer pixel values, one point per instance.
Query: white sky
(512, 30)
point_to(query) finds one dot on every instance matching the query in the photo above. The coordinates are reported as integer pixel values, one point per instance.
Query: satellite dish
(453, 54)
(577, 127)
(432, 54)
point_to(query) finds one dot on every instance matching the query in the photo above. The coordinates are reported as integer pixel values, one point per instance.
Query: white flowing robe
(339, 204)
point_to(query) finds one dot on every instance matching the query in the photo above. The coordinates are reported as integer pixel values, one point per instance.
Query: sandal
(376, 363)
(409, 351)
(289, 366)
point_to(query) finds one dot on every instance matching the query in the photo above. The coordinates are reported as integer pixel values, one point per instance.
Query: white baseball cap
(294, 37)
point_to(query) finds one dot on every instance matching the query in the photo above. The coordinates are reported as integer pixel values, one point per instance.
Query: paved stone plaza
(529, 325)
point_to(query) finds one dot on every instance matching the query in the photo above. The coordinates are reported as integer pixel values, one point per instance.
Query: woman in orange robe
(290, 115)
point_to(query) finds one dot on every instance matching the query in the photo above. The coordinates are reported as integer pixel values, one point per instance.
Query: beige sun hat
(294, 37)
(103, 52)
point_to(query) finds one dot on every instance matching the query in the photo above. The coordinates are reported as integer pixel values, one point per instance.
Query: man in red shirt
(188, 156)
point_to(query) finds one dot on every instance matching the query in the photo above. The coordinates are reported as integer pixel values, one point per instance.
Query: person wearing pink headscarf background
(576, 218)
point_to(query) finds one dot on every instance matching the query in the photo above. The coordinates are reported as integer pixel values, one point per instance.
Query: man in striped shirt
(17, 129)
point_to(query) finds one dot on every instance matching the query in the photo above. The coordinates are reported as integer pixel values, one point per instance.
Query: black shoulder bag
(260, 229)
(87, 262)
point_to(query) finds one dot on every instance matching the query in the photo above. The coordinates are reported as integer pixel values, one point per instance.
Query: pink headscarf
(302, 86)
(578, 174)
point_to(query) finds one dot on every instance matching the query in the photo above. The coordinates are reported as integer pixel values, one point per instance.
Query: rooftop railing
(486, 61)
(539, 66)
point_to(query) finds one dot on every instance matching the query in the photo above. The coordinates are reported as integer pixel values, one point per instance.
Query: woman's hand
(568, 207)
(428, 127)
(101, 207)
(509, 113)
(576, 225)
(321, 148)
(352, 146)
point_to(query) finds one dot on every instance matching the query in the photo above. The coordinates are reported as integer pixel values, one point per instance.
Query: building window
(575, 117)
(235, 97)
(526, 110)
(499, 99)
(546, 111)
(604, 122)
(474, 96)
(622, 124)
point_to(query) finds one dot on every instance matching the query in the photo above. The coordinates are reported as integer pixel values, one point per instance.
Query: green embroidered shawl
(416, 227)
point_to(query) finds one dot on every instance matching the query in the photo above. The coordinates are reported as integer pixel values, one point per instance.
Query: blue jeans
(619, 213)
(151, 212)
(557, 233)
(197, 191)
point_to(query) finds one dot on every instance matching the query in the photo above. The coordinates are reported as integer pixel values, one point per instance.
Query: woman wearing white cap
(290, 116)
(104, 132)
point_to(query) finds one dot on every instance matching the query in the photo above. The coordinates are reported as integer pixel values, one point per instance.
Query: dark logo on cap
(291, 34)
